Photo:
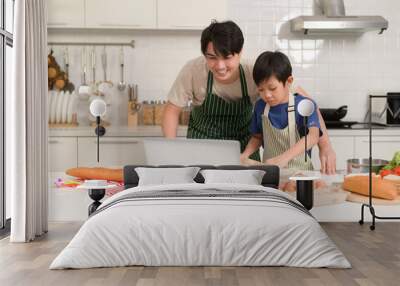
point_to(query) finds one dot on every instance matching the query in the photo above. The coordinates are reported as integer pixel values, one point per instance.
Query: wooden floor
(374, 255)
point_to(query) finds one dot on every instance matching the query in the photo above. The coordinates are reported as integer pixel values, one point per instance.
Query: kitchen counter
(155, 131)
(114, 131)
(381, 131)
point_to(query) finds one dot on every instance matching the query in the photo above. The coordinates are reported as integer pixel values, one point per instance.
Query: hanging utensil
(83, 58)
(105, 85)
(84, 89)
(93, 64)
(121, 84)
(135, 92)
(66, 61)
(104, 64)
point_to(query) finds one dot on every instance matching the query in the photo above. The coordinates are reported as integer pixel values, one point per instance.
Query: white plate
(64, 111)
(53, 106)
(71, 106)
(85, 186)
(49, 104)
(59, 106)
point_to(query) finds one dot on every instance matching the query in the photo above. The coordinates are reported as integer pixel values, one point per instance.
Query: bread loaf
(383, 189)
(97, 173)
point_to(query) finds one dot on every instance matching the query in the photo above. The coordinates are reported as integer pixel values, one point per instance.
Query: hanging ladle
(121, 84)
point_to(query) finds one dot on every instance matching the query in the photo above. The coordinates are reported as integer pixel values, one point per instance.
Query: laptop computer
(182, 151)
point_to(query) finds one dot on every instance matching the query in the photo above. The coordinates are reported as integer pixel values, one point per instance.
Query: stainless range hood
(334, 20)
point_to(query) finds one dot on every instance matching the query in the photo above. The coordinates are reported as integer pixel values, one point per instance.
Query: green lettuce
(396, 159)
(394, 163)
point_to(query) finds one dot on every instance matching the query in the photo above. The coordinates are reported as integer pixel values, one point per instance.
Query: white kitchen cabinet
(344, 148)
(68, 204)
(189, 14)
(66, 14)
(121, 13)
(114, 151)
(63, 153)
(383, 147)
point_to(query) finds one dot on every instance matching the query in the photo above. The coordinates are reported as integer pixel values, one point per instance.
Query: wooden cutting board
(356, 198)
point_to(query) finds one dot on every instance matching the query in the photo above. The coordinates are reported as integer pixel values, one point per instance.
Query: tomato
(384, 173)
(396, 171)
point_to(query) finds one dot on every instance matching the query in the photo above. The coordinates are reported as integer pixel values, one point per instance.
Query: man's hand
(170, 120)
(327, 157)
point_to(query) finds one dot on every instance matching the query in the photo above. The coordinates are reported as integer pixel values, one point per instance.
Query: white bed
(258, 226)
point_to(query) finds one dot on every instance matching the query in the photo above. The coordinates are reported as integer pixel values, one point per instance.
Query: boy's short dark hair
(226, 37)
(272, 64)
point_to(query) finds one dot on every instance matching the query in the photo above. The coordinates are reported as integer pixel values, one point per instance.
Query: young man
(222, 92)
(276, 123)
(222, 97)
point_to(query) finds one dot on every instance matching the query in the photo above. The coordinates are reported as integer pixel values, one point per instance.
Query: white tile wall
(335, 70)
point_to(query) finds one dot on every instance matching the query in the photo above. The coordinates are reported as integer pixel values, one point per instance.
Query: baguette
(97, 173)
(383, 189)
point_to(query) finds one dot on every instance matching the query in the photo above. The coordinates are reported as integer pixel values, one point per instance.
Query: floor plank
(374, 255)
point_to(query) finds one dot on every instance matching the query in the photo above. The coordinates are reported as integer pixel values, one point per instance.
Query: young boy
(276, 123)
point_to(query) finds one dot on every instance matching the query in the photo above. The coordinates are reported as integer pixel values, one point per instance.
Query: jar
(148, 113)
(158, 112)
(185, 115)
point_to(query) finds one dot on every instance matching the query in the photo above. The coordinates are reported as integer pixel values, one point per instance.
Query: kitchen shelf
(369, 204)
(130, 44)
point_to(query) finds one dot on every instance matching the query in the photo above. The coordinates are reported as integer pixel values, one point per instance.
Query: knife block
(133, 114)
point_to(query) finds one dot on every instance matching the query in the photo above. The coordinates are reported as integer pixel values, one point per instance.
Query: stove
(354, 125)
(340, 124)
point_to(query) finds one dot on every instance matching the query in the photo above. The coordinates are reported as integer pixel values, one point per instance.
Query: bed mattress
(201, 225)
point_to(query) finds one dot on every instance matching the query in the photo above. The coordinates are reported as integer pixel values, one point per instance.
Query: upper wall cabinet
(140, 14)
(135, 14)
(66, 14)
(189, 14)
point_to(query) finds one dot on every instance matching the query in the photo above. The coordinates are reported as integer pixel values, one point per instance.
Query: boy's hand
(243, 160)
(246, 161)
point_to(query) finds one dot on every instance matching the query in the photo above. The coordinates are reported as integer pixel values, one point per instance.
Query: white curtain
(26, 123)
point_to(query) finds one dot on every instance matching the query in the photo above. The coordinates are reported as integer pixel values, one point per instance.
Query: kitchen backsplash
(335, 70)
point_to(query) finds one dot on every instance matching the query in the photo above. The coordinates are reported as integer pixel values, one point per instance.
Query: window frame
(6, 39)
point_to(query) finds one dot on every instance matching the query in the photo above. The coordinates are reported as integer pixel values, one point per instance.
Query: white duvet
(185, 231)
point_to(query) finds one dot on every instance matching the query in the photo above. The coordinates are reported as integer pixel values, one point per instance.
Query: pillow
(248, 177)
(163, 176)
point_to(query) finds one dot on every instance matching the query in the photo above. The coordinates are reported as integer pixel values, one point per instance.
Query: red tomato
(396, 171)
(384, 173)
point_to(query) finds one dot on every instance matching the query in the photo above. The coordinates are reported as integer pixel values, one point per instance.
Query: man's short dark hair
(272, 64)
(226, 37)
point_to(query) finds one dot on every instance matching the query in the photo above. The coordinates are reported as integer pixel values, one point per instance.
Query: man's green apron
(220, 119)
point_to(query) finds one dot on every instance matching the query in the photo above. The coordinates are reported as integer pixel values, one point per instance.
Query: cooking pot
(355, 166)
(331, 114)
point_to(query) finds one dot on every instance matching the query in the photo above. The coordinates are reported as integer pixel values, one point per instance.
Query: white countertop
(155, 131)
